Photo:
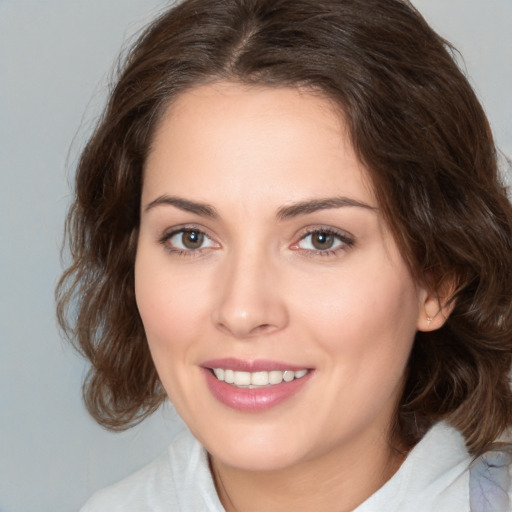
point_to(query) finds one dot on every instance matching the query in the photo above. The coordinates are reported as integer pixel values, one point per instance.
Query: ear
(435, 307)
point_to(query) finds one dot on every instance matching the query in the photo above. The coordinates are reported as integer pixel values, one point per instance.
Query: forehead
(227, 137)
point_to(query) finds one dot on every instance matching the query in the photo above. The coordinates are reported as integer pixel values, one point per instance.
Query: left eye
(322, 241)
(189, 240)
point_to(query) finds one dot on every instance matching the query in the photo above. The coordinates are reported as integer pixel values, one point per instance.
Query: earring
(429, 319)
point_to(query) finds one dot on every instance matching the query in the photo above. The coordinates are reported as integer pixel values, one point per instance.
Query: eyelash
(164, 240)
(345, 240)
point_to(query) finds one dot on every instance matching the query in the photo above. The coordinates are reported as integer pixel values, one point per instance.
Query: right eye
(187, 240)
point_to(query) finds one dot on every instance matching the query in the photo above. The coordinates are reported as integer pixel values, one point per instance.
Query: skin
(258, 288)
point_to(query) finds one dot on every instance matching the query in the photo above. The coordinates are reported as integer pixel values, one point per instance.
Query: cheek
(171, 307)
(365, 328)
(365, 319)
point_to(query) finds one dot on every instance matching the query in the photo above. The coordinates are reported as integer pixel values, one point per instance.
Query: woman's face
(263, 257)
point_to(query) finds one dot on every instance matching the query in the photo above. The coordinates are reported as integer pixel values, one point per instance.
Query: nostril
(254, 314)
(263, 328)
(243, 332)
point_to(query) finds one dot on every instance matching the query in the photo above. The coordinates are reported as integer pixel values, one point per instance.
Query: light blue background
(55, 58)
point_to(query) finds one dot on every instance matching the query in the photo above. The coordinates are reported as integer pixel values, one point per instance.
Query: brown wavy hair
(415, 123)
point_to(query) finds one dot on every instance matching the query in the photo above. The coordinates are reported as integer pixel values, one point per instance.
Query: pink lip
(259, 365)
(252, 400)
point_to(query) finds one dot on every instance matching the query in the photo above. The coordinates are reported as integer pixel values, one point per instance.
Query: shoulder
(133, 493)
(490, 482)
(440, 475)
(177, 480)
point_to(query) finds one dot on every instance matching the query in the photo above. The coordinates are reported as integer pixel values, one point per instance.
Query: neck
(336, 481)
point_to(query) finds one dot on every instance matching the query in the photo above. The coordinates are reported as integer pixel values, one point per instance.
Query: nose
(250, 302)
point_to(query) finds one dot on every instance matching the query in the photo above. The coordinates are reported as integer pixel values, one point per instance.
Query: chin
(265, 451)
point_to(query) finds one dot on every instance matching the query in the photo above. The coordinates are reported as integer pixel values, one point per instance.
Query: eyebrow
(202, 209)
(314, 205)
(285, 212)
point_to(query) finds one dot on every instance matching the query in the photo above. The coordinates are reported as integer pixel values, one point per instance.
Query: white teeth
(242, 378)
(275, 377)
(257, 379)
(288, 376)
(300, 374)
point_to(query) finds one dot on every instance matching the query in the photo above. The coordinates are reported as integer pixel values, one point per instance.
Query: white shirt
(435, 477)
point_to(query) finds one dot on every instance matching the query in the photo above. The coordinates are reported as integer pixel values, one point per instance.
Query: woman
(290, 222)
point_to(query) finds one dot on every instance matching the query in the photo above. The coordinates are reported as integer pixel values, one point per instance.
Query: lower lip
(253, 400)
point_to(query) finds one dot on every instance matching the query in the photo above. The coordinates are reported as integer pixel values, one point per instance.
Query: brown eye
(192, 239)
(322, 240)
(188, 240)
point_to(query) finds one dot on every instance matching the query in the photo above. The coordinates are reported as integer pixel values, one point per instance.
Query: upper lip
(257, 365)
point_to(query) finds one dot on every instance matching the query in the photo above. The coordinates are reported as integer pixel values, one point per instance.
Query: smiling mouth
(255, 380)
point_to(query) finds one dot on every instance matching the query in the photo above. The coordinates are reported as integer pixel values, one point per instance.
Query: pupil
(192, 239)
(322, 240)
